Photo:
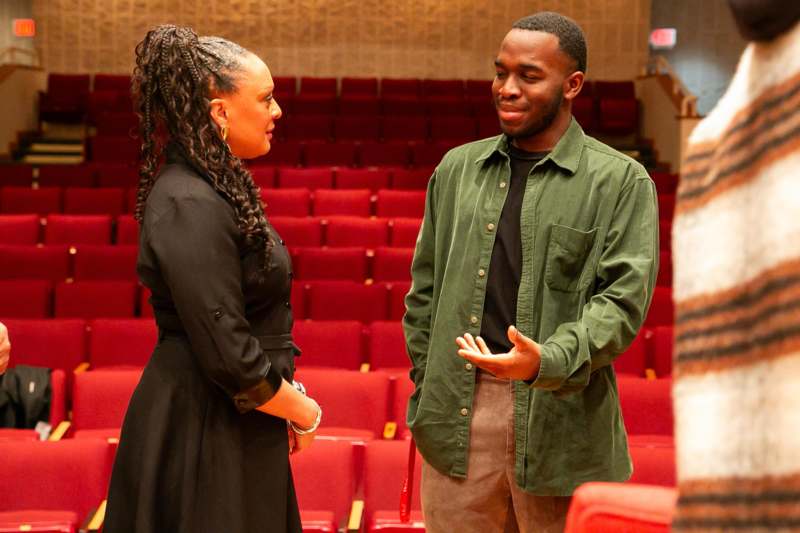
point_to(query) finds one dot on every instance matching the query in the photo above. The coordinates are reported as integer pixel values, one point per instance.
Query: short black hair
(570, 36)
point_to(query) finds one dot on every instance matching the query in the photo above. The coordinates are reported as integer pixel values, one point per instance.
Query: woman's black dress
(193, 455)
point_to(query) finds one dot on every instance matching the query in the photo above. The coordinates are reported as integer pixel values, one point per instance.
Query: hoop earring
(224, 131)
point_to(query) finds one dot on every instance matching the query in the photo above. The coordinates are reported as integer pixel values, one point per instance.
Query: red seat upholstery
(392, 264)
(646, 405)
(313, 105)
(309, 128)
(331, 264)
(415, 179)
(16, 175)
(405, 128)
(617, 507)
(285, 85)
(19, 229)
(287, 202)
(360, 105)
(584, 110)
(53, 343)
(633, 361)
(106, 262)
(653, 464)
(488, 126)
(387, 154)
(362, 178)
(359, 86)
(352, 202)
(387, 346)
(362, 412)
(664, 278)
(95, 299)
(397, 296)
(309, 178)
(357, 231)
(405, 231)
(115, 149)
(665, 234)
(666, 183)
(456, 128)
(329, 343)
(25, 298)
(385, 470)
(298, 301)
(34, 262)
(324, 477)
(65, 99)
(400, 204)
(365, 303)
(431, 153)
(478, 88)
(663, 340)
(448, 106)
(661, 311)
(121, 342)
(112, 82)
(111, 174)
(356, 128)
(24, 200)
(77, 229)
(341, 153)
(443, 88)
(66, 176)
(400, 87)
(666, 206)
(55, 484)
(263, 176)
(127, 230)
(100, 398)
(116, 123)
(91, 201)
(403, 389)
(619, 116)
(312, 85)
(289, 153)
(298, 231)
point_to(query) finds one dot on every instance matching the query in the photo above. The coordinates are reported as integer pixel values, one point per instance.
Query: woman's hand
(298, 443)
(5, 348)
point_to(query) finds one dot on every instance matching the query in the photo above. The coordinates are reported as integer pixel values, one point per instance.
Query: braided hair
(176, 72)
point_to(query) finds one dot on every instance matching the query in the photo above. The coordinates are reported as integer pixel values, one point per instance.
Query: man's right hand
(5, 348)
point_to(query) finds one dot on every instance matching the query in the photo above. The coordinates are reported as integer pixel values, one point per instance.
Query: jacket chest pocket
(568, 251)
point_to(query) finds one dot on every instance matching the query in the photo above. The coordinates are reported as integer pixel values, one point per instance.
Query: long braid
(175, 72)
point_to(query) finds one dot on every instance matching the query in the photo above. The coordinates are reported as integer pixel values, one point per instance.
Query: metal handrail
(12, 51)
(658, 65)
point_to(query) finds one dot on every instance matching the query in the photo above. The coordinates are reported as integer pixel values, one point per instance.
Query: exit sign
(663, 38)
(24, 28)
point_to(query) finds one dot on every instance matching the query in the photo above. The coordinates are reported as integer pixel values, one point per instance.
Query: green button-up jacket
(589, 229)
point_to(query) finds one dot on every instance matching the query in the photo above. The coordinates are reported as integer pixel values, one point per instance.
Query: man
(5, 348)
(543, 242)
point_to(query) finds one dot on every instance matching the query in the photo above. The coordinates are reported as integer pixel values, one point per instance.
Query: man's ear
(218, 112)
(573, 84)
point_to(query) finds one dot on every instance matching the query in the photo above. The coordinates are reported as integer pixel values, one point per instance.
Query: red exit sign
(663, 38)
(24, 28)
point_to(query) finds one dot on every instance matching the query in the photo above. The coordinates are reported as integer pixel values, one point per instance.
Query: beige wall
(382, 38)
(19, 92)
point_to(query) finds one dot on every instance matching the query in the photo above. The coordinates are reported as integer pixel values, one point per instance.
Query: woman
(204, 445)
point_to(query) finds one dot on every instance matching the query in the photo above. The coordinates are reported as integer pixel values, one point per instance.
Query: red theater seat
(619, 116)
(112, 82)
(66, 176)
(666, 183)
(309, 178)
(404, 232)
(357, 128)
(359, 86)
(16, 175)
(661, 311)
(341, 154)
(100, 399)
(25, 298)
(385, 471)
(478, 88)
(313, 105)
(411, 179)
(646, 406)
(665, 234)
(397, 296)
(362, 178)
(664, 278)
(633, 361)
(95, 299)
(351, 202)
(115, 149)
(329, 343)
(617, 507)
(106, 262)
(389, 154)
(392, 264)
(263, 176)
(653, 464)
(19, 229)
(443, 88)
(91, 201)
(309, 128)
(52, 343)
(360, 105)
(404, 128)
(324, 500)
(65, 99)
(400, 87)
(393, 204)
(387, 346)
(488, 126)
(347, 300)
(663, 340)
(127, 230)
(361, 413)
(77, 229)
(34, 262)
(403, 389)
(357, 231)
(457, 129)
(331, 264)
(430, 153)
(52, 486)
(121, 342)
(311, 85)
(298, 231)
(585, 112)
(288, 153)
(287, 202)
(110, 174)
(24, 200)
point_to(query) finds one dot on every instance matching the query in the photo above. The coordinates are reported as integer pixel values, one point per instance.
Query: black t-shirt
(505, 269)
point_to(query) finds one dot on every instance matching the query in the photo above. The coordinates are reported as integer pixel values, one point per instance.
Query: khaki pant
(489, 500)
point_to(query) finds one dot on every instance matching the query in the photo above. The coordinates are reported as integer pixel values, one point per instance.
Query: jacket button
(473, 319)
(481, 272)
(288, 305)
(490, 226)
(468, 366)
(502, 184)
(217, 314)
(464, 411)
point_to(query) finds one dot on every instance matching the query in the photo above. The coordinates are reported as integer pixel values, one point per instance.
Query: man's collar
(566, 154)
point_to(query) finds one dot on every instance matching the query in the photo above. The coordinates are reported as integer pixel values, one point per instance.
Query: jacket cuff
(260, 393)
(550, 374)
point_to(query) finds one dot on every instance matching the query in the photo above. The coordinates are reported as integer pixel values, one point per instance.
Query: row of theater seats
(68, 343)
